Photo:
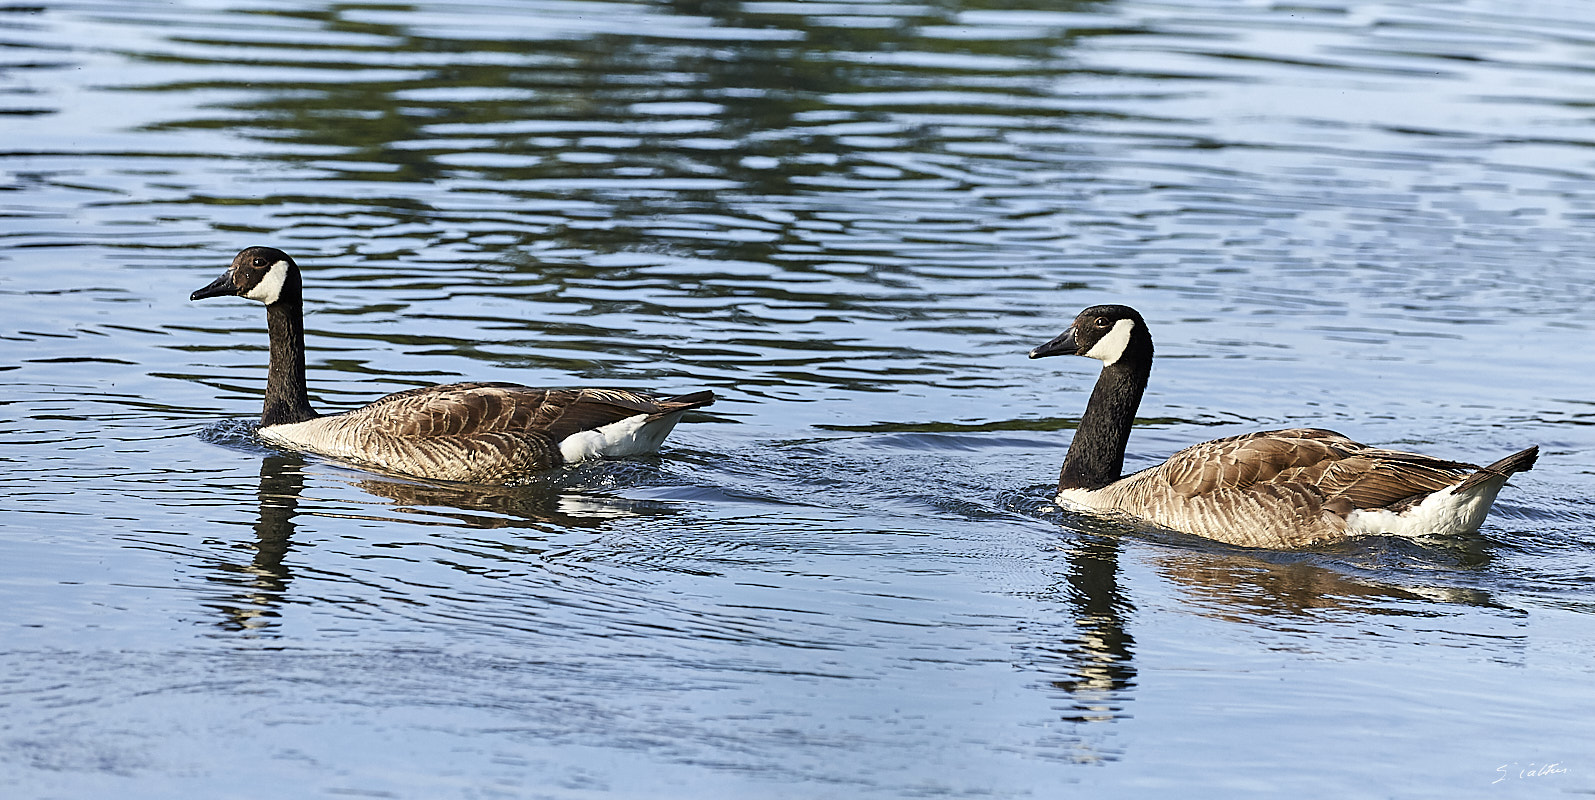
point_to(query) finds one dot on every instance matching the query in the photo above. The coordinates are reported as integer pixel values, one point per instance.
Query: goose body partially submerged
(1288, 488)
(473, 432)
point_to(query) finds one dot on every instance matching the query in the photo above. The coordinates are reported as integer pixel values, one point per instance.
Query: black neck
(1096, 456)
(287, 399)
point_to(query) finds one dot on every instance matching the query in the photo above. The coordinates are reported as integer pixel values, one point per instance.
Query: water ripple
(851, 220)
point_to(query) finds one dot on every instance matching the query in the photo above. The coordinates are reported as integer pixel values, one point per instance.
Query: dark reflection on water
(263, 582)
(1378, 575)
(851, 220)
(537, 505)
(1097, 665)
(1289, 589)
(561, 500)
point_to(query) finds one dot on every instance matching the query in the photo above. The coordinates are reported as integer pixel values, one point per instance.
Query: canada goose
(474, 432)
(1282, 489)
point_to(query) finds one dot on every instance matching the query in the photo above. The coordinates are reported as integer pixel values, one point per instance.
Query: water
(850, 220)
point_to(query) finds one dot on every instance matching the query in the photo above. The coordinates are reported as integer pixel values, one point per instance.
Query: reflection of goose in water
(1242, 587)
(530, 506)
(1097, 661)
(256, 589)
(475, 432)
(1286, 488)
(263, 582)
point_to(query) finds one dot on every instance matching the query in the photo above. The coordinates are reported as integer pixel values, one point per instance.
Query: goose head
(264, 274)
(1106, 333)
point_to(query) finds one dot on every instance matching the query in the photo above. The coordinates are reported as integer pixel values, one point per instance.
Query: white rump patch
(270, 287)
(628, 437)
(1111, 347)
(1443, 513)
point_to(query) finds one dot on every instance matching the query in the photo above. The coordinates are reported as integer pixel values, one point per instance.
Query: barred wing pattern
(1302, 482)
(476, 432)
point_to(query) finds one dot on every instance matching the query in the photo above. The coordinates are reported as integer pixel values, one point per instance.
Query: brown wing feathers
(452, 410)
(586, 409)
(1377, 481)
(1287, 456)
(474, 409)
(1334, 467)
(478, 431)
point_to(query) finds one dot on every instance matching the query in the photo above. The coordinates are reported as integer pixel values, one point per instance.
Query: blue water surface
(850, 220)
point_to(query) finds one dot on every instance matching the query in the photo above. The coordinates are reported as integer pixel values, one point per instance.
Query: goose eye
(1102, 322)
(260, 262)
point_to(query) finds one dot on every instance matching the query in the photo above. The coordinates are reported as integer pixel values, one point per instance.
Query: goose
(477, 432)
(1282, 489)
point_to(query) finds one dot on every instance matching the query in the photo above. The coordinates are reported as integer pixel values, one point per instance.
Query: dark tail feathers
(1521, 461)
(705, 397)
(682, 402)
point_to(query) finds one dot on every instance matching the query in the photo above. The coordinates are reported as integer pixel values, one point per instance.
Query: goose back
(479, 432)
(1284, 488)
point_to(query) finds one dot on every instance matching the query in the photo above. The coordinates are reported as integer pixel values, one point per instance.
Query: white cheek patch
(1111, 347)
(270, 287)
